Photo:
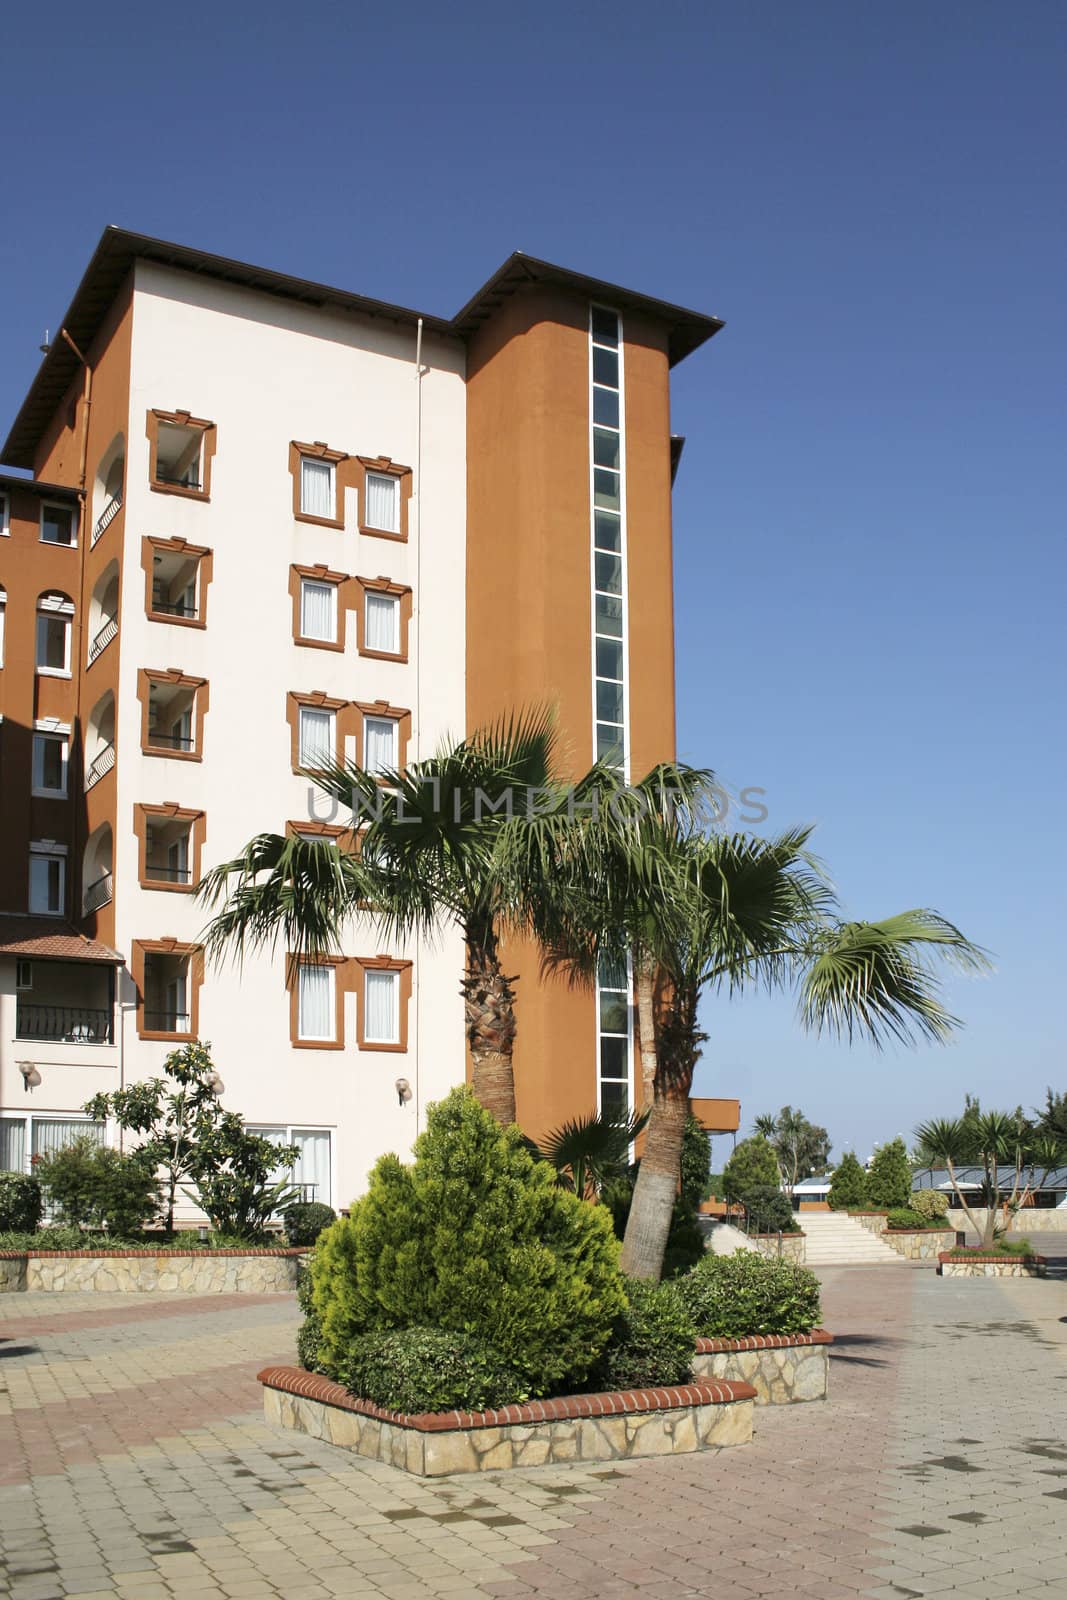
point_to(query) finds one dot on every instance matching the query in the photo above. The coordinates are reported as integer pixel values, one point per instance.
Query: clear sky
(870, 511)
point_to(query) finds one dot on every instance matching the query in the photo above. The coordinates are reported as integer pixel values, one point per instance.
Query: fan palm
(587, 1151)
(992, 1140)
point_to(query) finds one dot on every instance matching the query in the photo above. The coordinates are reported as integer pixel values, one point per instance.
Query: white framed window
(55, 613)
(318, 497)
(381, 744)
(3, 613)
(51, 751)
(5, 515)
(383, 502)
(318, 740)
(313, 1169)
(381, 1007)
(318, 610)
(382, 623)
(22, 1138)
(48, 880)
(59, 523)
(316, 1015)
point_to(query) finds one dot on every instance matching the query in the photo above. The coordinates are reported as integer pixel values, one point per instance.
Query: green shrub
(428, 1369)
(93, 1186)
(651, 1342)
(309, 1334)
(753, 1165)
(889, 1178)
(907, 1217)
(476, 1237)
(848, 1186)
(45, 1239)
(305, 1220)
(20, 1202)
(769, 1211)
(930, 1203)
(232, 1170)
(728, 1297)
(695, 1170)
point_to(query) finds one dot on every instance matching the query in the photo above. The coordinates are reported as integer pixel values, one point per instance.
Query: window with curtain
(318, 610)
(313, 1163)
(55, 1133)
(383, 623)
(383, 502)
(12, 1144)
(317, 742)
(380, 744)
(317, 497)
(381, 998)
(316, 1017)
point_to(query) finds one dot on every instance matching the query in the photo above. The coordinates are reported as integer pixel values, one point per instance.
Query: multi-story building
(269, 519)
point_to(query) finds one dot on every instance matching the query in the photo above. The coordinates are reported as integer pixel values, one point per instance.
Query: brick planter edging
(313, 1386)
(984, 1264)
(782, 1367)
(764, 1341)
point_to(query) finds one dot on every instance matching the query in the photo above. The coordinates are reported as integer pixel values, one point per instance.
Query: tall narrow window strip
(317, 743)
(317, 497)
(382, 1008)
(380, 741)
(47, 884)
(315, 1002)
(383, 502)
(318, 610)
(383, 623)
(50, 763)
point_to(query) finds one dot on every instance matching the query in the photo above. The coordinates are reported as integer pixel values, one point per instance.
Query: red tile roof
(49, 939)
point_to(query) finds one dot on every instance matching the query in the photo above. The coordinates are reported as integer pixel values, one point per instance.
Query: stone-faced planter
(151, 1271)
(793, 1245)
(982, 1264)
(920, 1244)
(704, 1415)
(781, 1367)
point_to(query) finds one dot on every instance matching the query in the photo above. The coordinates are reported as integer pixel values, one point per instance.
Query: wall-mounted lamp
(215, 1084)
(31, 1078)
(403, 1090)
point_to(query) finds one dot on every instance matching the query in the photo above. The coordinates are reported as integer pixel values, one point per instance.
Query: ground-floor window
(23, 1137)
(314, 1167)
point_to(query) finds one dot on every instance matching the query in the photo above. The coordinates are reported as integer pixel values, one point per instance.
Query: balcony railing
(107, 517)
(174, 608)
(102, 762)
(62, 1024)
(170, 741)
(103, 638)
(166, 1021)
(99, 893)
(183, 480)
(167, 874)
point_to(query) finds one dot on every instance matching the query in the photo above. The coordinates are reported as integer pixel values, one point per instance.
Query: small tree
(802, 1147)
(889, 1176)
(848, 1186)
(753, 1165)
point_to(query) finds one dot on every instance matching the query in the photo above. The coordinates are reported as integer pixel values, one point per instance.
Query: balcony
(107, 517)
(102, 639)
(100, 893)
(170, 741)
(63, 1024)
(163, 872)
(174, 608)
(167, 1021)
(101, 763)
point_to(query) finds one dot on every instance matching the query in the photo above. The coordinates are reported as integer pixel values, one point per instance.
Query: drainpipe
(416, 609)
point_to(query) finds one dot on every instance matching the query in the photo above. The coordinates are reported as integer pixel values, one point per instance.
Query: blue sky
(870, 512)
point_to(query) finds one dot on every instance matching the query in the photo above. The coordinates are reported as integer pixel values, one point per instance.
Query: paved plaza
(134, 1461)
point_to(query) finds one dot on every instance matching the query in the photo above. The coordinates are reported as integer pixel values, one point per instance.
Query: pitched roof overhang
(51, 939)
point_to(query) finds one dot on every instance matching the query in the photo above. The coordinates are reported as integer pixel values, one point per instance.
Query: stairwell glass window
(382, 623)
(383, 502)
(58, 524)
(318, 610)
(48, 880)
(381, 1006)
(5, 516)
(316, 1006)
(381, 744)
(50, 756)
(318, 739)
(55, 615)
(318, 494)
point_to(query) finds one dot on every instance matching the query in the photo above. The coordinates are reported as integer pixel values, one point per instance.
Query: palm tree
(991, 1140)
(587, 1151)
(456, 840)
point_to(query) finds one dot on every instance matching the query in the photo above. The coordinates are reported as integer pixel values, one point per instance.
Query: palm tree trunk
(646, 1031)
(489, 1005)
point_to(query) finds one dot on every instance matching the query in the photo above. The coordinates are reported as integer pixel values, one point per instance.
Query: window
(318, 738)
(318, 610)
(50, 755)
(613, 1032)
(167, 985)
(178, 453)
(606, 445)
(58, 524)
(3, 612)
(312, 1171)
(381, 1007)
(316, 1002)
(382, 623)
(48, 880)
(383, 502)
(5, 515)
(54, 615)
(21, 1138)
(380, 744)
(177, 579)
(318, 494)
(173, 707)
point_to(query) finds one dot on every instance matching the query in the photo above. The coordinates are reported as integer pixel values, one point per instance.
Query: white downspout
(416, 608)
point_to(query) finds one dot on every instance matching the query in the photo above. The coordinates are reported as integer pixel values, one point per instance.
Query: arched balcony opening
(100, 740)
(97, 870)
(104, 611)
(108, 486)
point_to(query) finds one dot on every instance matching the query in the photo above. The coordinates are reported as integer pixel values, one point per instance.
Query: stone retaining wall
(702, 1415)
(920, 1244)
(793, 1245)
(145, 1272)
(782, 1368)
(977, 1265)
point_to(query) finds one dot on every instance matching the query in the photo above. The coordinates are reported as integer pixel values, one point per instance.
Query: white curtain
(318, 610)
(315, 1003)
(382, 995)
(383, 502)
(12, 1144)
(379, 737)
(313, 1163)
(383, 617)
(316, 737)
(316, 488)
(57, 1133)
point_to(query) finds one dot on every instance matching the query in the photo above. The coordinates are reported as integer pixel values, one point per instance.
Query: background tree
(848, 1186)
(1052, 1120)
(802, 1147)
(1010, 1159)
(753, 1165)
(695, 1175)
(889, 1176)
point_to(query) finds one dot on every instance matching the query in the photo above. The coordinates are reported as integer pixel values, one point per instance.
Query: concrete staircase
(836, 1239)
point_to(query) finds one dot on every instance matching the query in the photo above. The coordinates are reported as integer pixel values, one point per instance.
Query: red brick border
(763, 1341)
(313, 1386)
(966, 1254)
(145, 1254)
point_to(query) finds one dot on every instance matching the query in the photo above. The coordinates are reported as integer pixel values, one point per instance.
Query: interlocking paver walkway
(134, 1462)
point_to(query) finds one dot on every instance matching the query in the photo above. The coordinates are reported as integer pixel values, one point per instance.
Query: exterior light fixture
(31, 1078)
(202, 1233)
(403, 1090)
(215, 1084)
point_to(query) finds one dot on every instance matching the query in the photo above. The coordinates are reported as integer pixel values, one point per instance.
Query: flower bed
(781, 1367)
(703, 1415)
(203, 1271)
(990, 1264)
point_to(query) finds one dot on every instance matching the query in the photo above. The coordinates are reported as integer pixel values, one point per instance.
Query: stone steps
(834, 1239)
